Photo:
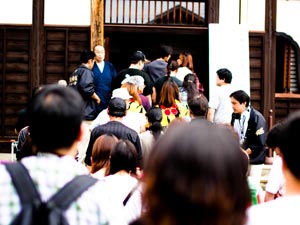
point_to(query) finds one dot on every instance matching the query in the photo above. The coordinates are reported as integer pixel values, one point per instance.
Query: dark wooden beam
(38, 43)
(270, 57)
(212, 11)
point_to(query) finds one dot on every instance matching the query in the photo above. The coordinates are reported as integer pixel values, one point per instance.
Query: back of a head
(225, 74)
(288, 143)
(241, 96)
(137, 56)
(198, 167)
(190, 84)
(274, 136)
(172, 66)
(164, 51)
(187, 60)
(85, 56)
(169, 93)
(123, 157)
(198, 106)
(55, 114)
(101, 151)
(154, 116)
(116, 107)
(132, 90)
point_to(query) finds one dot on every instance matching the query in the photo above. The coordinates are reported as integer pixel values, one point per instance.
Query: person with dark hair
(251, 126)
(82, 79)
(158, 68)
(137, 62)
(220, 109)
(188, 90)
(101, 155)
(116, 110)
(171, 69)
(189, 169)
(104, 75)
(24, 145)
(154, 131)
(123, 186)
(198, 106)
(22, 120)
(285, 209)
(55, 123)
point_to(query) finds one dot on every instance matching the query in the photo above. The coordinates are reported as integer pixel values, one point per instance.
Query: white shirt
(182, 72)
(276, 181)
(241, 125)
(133, 120)
(101, 66)
(119, 187)
(280, 211)
(220, 101)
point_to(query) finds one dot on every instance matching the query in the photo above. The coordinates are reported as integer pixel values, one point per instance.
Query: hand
(98, 100)
(248, 151)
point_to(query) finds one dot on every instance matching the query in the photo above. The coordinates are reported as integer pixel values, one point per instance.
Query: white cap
(121, 93)
(136, 80)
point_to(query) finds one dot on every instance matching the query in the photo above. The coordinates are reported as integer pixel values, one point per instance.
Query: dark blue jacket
(82, 79)
(255, 137)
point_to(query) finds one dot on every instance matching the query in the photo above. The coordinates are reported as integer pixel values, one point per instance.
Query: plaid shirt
(50, 172)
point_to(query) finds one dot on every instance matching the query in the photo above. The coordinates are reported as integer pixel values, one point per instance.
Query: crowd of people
(158, 150)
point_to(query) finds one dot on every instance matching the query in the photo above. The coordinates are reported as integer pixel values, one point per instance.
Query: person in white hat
(135, 121)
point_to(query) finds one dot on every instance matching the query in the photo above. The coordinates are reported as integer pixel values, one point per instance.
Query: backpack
(33, 210)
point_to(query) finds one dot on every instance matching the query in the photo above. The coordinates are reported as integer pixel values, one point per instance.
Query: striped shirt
(120, 131)
(50, 173)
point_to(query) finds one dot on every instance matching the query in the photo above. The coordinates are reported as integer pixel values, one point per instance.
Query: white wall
(16, 11)
(57, 12)
(288, 17)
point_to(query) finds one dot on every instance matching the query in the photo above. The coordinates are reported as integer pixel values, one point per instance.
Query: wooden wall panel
(256, 69)
(15, 75)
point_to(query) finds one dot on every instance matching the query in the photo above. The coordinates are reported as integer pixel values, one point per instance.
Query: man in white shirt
(283, 210)
(220, 109)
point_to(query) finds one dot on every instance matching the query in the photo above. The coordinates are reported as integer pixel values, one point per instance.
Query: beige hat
(121, 93)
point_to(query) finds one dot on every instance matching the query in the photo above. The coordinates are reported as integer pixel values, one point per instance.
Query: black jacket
(82, 79)
(255, 137)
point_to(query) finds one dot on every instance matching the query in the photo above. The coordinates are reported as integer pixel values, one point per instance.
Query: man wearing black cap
(137, 62)
(116, 111)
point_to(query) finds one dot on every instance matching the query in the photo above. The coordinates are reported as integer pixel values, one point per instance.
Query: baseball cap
(117, 107)
(121, 93)
(137, 56)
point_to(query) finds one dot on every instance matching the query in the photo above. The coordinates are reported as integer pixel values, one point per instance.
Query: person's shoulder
(277, 211)
(255, 112)
(108, 63)
(123, 71)
(177, 81)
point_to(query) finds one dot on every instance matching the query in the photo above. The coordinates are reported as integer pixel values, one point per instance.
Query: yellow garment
(169, 114)
(134, 106)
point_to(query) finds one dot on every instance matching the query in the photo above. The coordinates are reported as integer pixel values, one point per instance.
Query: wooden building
(39, 54)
